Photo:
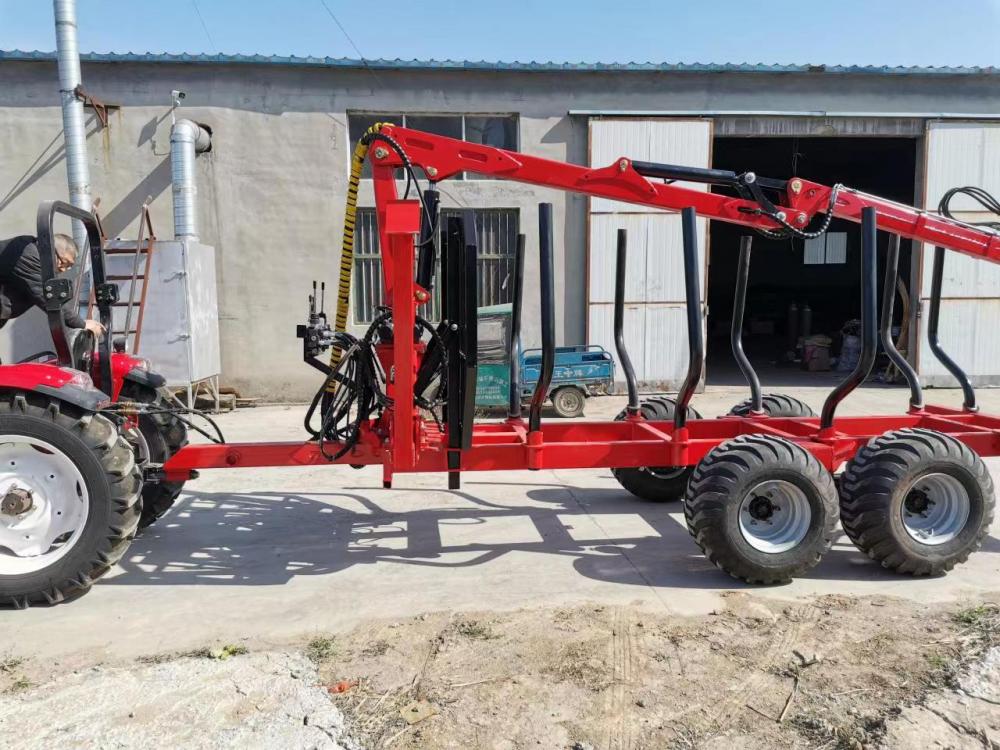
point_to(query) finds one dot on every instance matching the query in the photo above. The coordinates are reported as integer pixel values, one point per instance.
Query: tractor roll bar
(937, 276)
(692, 298)
(517, 292)
(626, 361)
(736, 332)
(59, 292)
(888, 300)
(869, 317)
(548, 310)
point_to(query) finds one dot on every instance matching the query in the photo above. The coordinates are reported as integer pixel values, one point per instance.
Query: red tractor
(83, 430)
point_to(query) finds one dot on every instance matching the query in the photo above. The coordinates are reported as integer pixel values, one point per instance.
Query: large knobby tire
(79, 532)
(656, 483)
(164, 435)
(569, 401)
(917, 501)
(761, 508)
(775, 405)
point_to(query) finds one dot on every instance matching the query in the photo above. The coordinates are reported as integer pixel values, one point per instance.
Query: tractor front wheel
(69, 499)
(164, 434)
(761, 508)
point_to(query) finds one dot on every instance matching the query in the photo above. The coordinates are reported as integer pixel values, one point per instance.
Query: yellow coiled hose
(347, 244)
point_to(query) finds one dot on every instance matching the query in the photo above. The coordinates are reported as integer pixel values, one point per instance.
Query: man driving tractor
(21, 279)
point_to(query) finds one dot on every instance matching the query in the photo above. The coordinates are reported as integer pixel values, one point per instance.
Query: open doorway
(801, 292)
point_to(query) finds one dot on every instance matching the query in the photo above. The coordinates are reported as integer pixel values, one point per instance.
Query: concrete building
(271, 190)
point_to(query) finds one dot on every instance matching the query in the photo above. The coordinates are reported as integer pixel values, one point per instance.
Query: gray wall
(271, 192)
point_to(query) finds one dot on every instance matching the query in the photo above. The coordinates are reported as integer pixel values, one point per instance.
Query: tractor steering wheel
(83, 347)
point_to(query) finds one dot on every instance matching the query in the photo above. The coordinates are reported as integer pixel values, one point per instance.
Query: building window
(489, 130)
(827, 249)
(496, 230)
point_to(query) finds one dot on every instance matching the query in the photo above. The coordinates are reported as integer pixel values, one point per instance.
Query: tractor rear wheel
(761, 508)
(656, 483)
(775, 405)
(164, 435)
(69, 499)
(917, 501)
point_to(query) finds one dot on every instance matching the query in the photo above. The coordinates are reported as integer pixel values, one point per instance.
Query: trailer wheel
(917, 501)
(569, 401)
(69, 499)
(656, 483)
(761, 508)
(164, 435)
(775, 405)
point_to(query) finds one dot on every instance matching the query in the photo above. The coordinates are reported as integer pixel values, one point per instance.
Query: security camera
(177, 95)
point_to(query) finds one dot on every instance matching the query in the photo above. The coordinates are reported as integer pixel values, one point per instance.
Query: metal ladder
(134, 284)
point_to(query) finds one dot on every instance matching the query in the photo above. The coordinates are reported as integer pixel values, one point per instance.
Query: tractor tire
(761, 508)
(656, 483)
(775, 405)
(569, 401)
(79, 502)
(164, 435)
(917, 501)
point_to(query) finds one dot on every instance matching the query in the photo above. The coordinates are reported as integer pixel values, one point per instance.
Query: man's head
(66, 253)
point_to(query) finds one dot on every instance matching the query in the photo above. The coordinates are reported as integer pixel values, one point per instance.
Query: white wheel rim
(935, 509)
(774, 516)
(51, 527)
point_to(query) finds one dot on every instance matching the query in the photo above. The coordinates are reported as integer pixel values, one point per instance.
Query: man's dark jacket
(21, 281)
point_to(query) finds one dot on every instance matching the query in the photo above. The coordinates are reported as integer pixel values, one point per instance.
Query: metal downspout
(74, 129)
(187, 138)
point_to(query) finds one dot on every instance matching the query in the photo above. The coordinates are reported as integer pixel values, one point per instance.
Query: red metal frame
(415, 444)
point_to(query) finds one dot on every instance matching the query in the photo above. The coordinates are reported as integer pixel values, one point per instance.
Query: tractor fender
(146, 377)
(63, 383)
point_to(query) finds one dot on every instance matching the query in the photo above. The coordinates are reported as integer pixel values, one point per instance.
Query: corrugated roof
(529, 67)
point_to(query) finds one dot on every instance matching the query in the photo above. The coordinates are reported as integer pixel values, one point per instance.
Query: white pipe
(74, 129)
(187, 138)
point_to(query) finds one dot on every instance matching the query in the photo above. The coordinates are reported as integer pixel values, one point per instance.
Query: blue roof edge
(482, 65)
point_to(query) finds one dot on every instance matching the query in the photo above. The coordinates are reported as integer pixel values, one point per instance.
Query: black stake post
(692, 292)
(626, 361)
(547, 288)
(517, 291)
(937, 276)
(736, 334)
(869, 320)
(885, 332)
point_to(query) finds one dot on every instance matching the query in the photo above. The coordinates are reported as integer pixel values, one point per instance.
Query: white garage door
(655, 322)
(959, 154)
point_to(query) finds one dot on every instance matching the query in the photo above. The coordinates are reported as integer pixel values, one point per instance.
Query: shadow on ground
(269, 538)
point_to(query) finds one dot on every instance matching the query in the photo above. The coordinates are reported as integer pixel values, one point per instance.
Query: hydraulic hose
(347, 245)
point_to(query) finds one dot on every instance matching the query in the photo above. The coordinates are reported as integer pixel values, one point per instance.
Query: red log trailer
(757, 485)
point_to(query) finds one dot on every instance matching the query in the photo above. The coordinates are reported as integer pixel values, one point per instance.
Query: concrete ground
(274, 555)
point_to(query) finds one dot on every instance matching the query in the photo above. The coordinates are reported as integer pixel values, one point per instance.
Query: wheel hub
(935, 509)
(774, 516)
(16, 502)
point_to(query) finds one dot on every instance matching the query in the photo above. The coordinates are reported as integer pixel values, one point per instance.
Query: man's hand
(94, 327)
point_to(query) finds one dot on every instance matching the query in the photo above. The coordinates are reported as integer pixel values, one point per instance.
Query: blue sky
(864, 32)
